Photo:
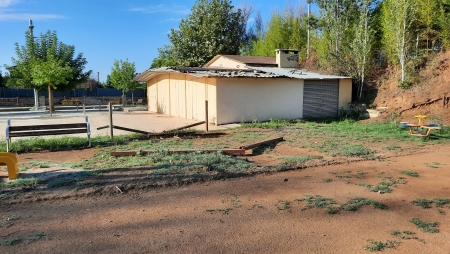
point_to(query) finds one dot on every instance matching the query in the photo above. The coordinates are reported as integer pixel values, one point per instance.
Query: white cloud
(6, 3)
(8, 14)
(163, 8)
(170, 20)
(4, 16)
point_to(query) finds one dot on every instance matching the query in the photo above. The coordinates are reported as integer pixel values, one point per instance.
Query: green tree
(37, 52)
(2, 80)
(213, 27)
(398, 17)
(287, 30)
(49, 73)
(361, 46)
(122, 75)
(443, 20)
(166, 57)
(428, 13)
(336, 22)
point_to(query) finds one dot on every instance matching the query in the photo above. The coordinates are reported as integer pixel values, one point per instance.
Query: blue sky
(105, 30)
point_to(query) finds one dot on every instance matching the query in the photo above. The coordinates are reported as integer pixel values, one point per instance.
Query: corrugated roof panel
(252, 72)
(296, 73)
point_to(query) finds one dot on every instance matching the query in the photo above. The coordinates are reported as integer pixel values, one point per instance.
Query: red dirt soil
(425, 97)
(244, 215)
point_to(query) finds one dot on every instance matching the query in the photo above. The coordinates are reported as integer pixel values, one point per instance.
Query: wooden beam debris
(144, 152)
(262, 143)
(185, 127)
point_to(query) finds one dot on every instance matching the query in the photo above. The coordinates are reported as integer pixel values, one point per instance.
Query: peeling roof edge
(251, 72)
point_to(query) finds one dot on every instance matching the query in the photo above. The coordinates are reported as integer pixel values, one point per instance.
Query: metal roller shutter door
(320, 98)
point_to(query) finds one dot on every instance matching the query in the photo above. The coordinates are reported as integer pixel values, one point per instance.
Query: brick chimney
(287, 58)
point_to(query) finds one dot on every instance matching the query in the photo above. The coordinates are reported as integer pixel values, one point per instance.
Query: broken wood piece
(143, 152)
(261, 143)
(131, 130)
(185, 127)
(119, 190)
(103, 127)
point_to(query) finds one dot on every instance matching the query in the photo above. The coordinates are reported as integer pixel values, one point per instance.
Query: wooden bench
(46, 129)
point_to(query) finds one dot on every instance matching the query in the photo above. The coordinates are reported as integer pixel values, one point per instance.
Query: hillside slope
(429, 95)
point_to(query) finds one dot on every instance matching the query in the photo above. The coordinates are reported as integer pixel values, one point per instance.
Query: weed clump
(380, 246)
(410, 173)
(424, 203)
(429, 227)
(356, 203)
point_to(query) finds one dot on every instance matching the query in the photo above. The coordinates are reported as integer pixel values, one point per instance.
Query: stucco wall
(260, 99)
(345, 92)
(223, 62)
(182, 95)
(152, 95)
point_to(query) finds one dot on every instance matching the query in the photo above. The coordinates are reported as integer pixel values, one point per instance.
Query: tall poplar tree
(397, 20)
(361, 46)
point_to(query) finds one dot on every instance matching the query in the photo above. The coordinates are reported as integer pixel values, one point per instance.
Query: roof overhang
(251, 72)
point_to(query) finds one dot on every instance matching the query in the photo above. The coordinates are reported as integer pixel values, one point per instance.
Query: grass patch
(424, 203)
(34, 237)
(393, 148)
(298, 161)
(22, 182)
(318, 201)
(66, 143)
(434, 164)
(354, 150)
(381, 187)
(380, 246)
(440, 202)
(410, 173)
(355, 203)
(429, 227)
(283, 205)
(11, 241)
(404, 235)
(327, 180)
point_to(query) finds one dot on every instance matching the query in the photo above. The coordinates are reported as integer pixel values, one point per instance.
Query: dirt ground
(429, 94)
(258, 214)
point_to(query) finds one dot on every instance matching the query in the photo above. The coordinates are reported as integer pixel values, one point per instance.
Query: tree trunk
(50, 99)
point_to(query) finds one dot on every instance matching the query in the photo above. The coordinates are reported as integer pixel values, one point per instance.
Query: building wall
(223, 62)
(182, 95)
(249, 99)
(345, 92)
(232, 100)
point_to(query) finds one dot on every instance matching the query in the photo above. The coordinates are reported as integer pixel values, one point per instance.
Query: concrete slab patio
(141, 120)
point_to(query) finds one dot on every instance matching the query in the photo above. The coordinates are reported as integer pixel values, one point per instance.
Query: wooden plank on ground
(186, 127)
(261, 143)
(143, 152)
(130, 130)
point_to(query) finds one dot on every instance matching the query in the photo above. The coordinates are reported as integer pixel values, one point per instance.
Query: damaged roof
(248, 60)
(251, 72)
